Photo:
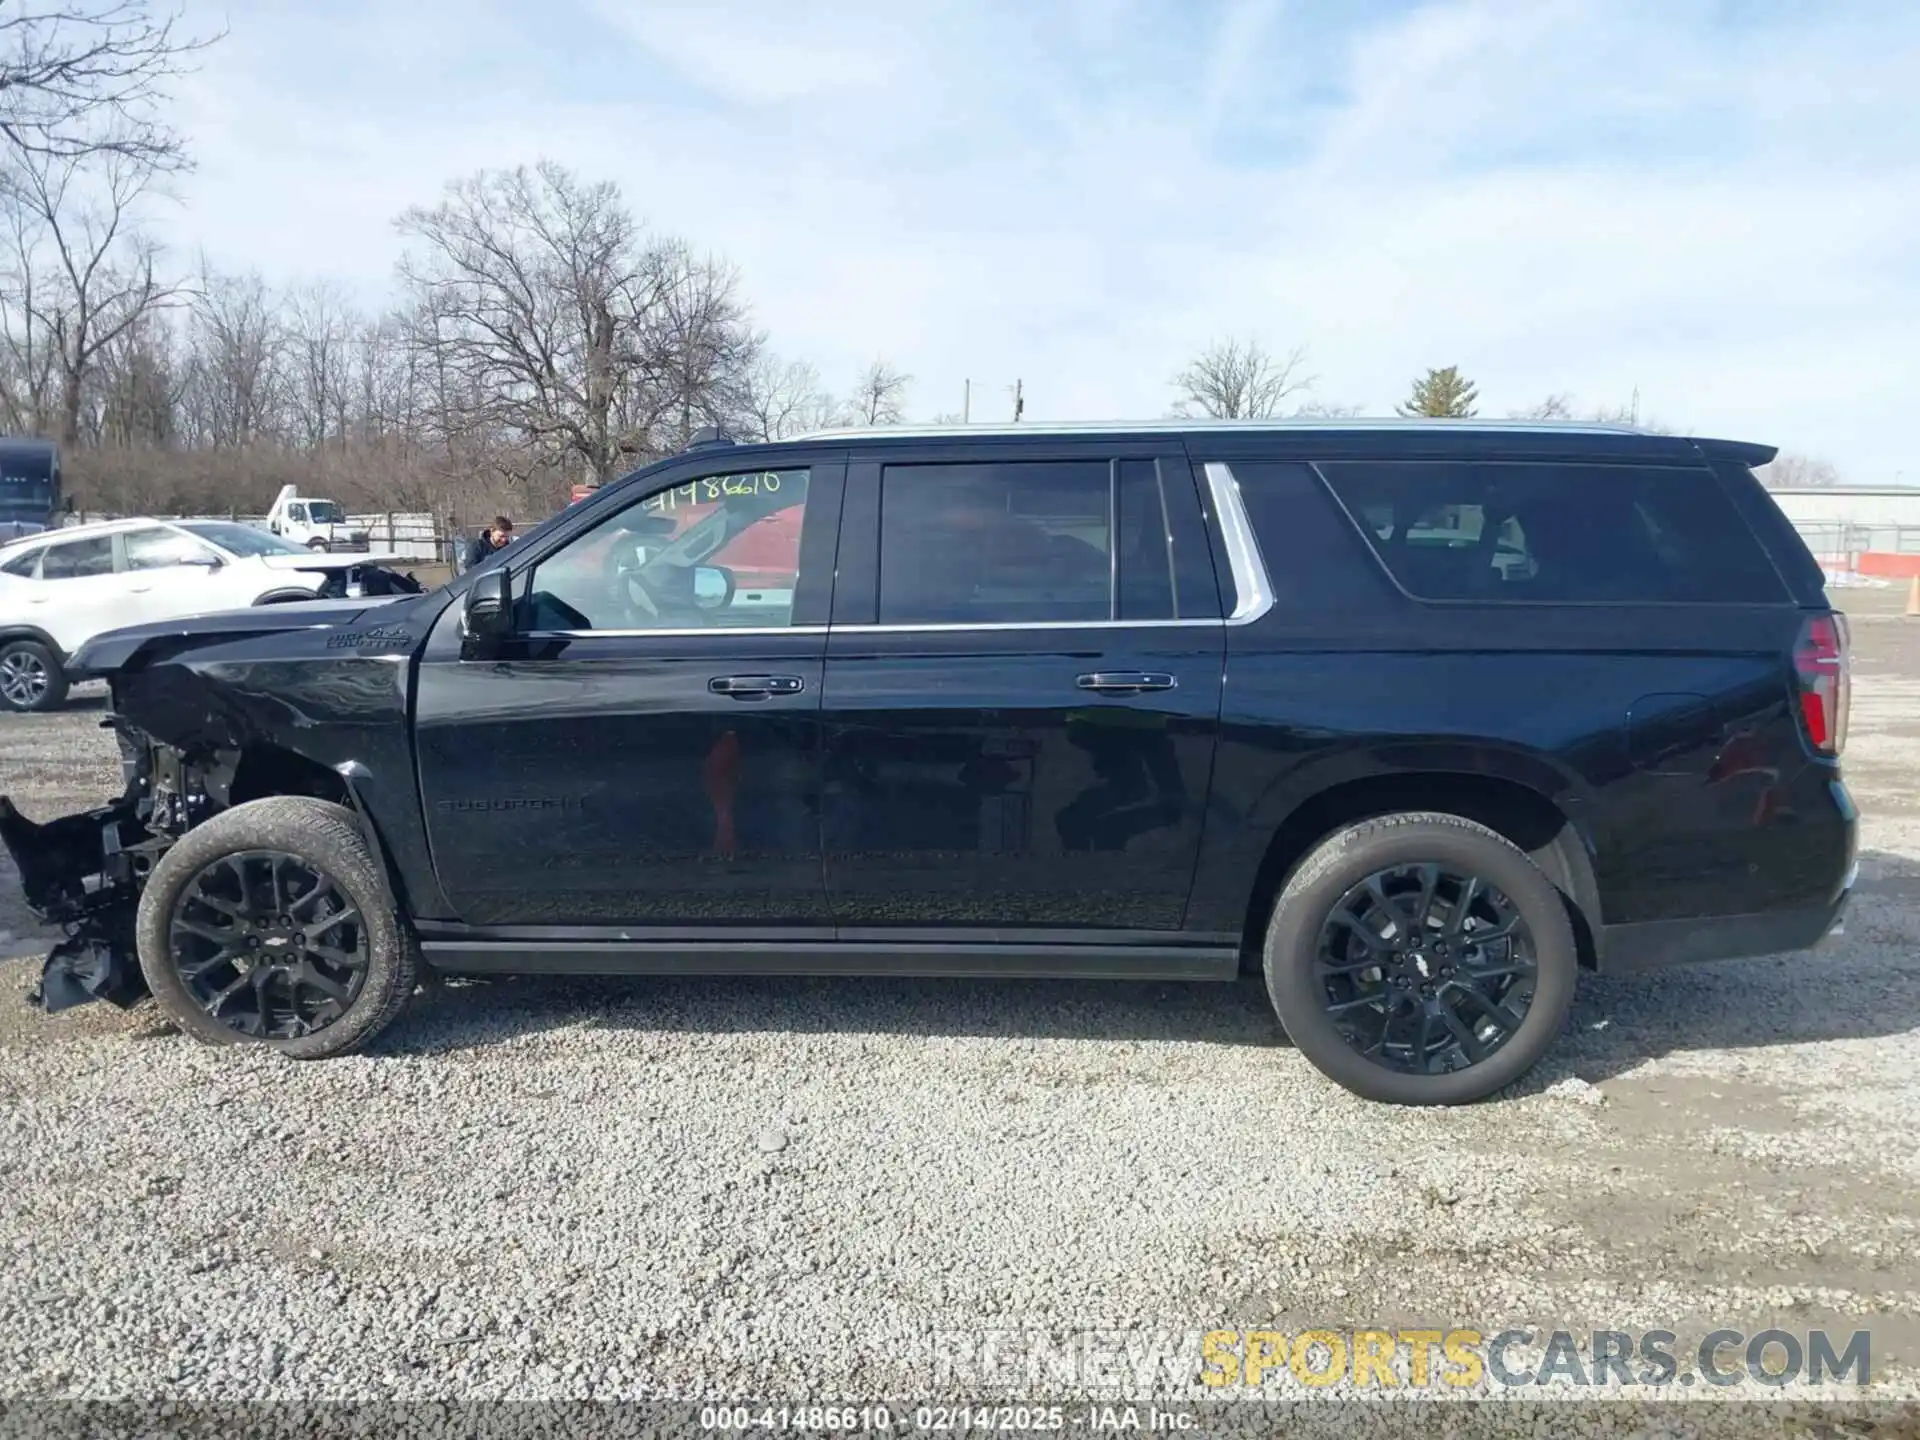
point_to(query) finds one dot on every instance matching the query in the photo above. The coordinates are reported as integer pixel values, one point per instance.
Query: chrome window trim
(695, 633)
(956, 626)
(1252, 591)
(947, 627)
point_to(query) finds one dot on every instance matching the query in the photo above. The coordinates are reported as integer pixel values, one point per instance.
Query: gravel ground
(785, 1188)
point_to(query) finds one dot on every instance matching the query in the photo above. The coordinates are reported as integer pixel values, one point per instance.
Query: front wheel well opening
(265, 770)
(1523, 816)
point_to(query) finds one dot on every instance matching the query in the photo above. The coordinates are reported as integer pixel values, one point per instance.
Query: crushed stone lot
(787, 1188)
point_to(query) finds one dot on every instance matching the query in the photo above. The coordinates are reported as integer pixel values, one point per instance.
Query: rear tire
(286, 889)
(31, 677)
(1334, 967)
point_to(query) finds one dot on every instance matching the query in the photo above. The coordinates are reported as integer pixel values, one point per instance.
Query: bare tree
(780, 398)
(139, 388)
(694, 350)
(235, 347)
(30, 370)
(1790, 471)
(1562, 406)
(546, 318)
(320, 328)
(80, 79)
(1240, 380)
(86, 273)
(1558, 406)
(880, 395)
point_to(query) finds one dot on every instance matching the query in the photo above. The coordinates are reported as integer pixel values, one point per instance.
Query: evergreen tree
(1442, 394)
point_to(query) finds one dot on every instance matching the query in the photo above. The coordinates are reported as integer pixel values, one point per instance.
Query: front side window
(1037, 542)
(76, 559)
(719, 553)
(157, 549)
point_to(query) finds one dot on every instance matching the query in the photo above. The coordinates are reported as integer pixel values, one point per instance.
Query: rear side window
(1621, 534)
(75, 559)
(23, 565)
(1039, 542)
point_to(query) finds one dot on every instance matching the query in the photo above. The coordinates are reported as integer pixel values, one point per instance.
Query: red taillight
(1820, 662)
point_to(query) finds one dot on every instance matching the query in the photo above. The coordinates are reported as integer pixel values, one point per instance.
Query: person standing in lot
(495, 537)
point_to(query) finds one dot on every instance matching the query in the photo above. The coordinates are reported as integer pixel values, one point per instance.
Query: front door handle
(1124, 682)
(756, 687)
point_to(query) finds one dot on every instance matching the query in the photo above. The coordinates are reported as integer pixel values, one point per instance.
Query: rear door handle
(756, 687)
(1124, 682)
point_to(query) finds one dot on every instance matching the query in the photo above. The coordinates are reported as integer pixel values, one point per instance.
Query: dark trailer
(29, 486)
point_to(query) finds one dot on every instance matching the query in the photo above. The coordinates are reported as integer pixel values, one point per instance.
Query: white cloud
(1568, 195)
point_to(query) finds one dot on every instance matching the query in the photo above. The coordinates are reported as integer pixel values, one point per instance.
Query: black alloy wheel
(1425, 969)
(269, 945)
(1421, 958)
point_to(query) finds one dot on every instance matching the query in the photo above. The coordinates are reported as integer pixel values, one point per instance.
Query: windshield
(240, 539)
(324, 512)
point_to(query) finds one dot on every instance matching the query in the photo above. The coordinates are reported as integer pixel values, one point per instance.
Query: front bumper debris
(78, 872)
(78, 970)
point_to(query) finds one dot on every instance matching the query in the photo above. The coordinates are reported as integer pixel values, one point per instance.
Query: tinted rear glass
(1054, 541)
(1625, 534)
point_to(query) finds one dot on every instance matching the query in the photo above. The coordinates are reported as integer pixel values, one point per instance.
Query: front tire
(31, 677)
(270, 923)
(1420, 959)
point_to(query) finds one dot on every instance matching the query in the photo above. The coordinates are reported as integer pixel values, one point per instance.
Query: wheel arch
(37, 635)
(1521, 813)
(265, 769)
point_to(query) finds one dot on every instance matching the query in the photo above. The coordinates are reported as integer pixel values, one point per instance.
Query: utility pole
(1019, 401)
(966, 404)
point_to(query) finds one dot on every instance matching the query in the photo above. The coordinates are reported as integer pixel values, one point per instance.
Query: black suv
(1413, 718)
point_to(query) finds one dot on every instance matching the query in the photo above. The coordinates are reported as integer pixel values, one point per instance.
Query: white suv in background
(60, 588)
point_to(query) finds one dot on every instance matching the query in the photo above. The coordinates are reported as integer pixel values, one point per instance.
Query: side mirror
(713, 587)
(489, 609)
(203, 561)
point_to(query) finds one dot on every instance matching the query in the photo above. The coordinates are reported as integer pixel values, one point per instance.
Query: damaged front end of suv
(84, 872)
(209, 714)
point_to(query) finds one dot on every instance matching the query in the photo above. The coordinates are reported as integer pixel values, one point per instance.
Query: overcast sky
(1716, 203)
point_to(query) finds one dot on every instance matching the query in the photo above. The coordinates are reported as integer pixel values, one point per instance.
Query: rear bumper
(1634, 949)
(1835, 841)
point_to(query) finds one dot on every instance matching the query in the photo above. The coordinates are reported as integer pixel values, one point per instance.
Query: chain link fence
(1839, 544)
